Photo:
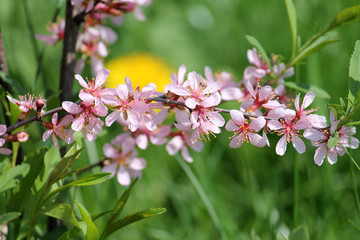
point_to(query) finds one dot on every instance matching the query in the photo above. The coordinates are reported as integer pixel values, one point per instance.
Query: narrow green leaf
(63, 212)
(64, 165)
(353, 123)
(73, 232)
(10, 178)
(293, 25)
(92, 179)
(253, 41)
(121, 203)
(134, 218)
(344, 16)
(333, 140)
(302, 87)
(92, 232)
(7, 217)
(354, 69)
(299, 233)
(337, 109)
(280, 236)
(70, 234)
(314, 47)
(119, 206)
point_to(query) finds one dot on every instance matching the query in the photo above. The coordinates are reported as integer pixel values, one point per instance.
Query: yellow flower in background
(141, 68)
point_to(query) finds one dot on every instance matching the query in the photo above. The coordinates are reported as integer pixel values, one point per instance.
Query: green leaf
(290, 8)
(92, 232)
(63, 212)
(70, 234)
(337, 109)
(64, 165)
(302, 87)
(281, 236)
(314, 47)
(7, 217)
(14, 84)
(346, 15)
(134, 218)
(354, 69)
(121, 203)
(92, 179)
(10, 178)
(333, 140)
(299, 233)
(253, 41)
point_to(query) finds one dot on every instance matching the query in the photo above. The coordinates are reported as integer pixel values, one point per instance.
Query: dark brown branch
(33, 119)
(87, 168)
(68, 60)
(165, 100)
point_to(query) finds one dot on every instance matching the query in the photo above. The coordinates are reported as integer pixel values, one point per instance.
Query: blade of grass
(210, 208)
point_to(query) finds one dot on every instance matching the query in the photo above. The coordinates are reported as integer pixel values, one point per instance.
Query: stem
(296, 190)
(210, 208)
(68, 60)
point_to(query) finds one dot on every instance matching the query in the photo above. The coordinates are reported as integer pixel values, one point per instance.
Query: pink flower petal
(142, 141)
(78, 123)
(47, 134)
(231, 126)
(186, 155)
(275, 125)
(258, 123)
(123, 176)
(111, 168)
(308, 99)
(109, 151)
(236, 141)
(298, 144)
(101, 77)
(281, 146)
(71, 107)
(111, 118)
(237, 117)
(320, 154)
(137, 163)
(174, 145)
(81, 81)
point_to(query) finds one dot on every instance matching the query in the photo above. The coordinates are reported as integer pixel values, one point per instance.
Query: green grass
(251, 190)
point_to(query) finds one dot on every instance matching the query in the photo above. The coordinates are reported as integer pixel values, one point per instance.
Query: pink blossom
(59, 129)
(261, 68)
(229, 90)
(96, 87)
(288, 127)
(86, 113)
(125, 165)
(57, 29)
(205, 121)
(243, 131)
(181, 141)
(89, 43)
(260, 97)
(4, 151)
(320, 138)
(196, 91)
(130, 106)
(25, 103)
(157, 137)
(281, 72)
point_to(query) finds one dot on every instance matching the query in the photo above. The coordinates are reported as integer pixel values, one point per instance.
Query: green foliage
(89, 180)
(315, 46)
(114, 223)
(303, 87)
(253, 41)
(299, 233)
(7, 217)
(293, 25)
(92, 232)
(347, 15)
(63, 212)
(354, 69)
(10, 178)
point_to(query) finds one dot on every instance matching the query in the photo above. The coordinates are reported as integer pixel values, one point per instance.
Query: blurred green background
(252, 190)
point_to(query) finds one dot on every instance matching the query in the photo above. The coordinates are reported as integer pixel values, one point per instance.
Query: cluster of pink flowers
(93, 38)
(264, 109)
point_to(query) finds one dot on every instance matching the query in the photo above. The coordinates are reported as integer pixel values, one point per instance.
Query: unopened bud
(40, 104)
(18, 137)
